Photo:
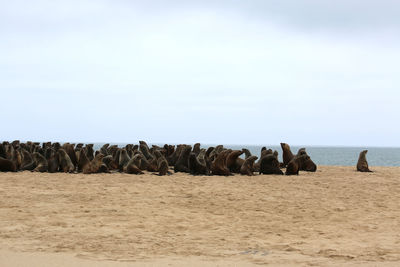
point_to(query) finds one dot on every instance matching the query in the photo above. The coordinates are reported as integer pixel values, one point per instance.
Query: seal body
(362, 164)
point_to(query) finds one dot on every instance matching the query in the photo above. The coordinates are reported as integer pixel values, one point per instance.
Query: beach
(333, 217)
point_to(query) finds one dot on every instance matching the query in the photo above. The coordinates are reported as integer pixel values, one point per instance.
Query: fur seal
(145, 150)
(40, 162)
(96, 165)
(7, 165)
(123, 159)
(83, 160)
(182, 164)
(247, 167)
(132, 167)
(64, 161)
(110, 163)
(28, 164)
(269, 165)
(218, 166)
(195, 166)
(233, 162)
(162, 164)
(196, 149)
(362, 164)
(300, 162)
(287, 154)
(52, 161)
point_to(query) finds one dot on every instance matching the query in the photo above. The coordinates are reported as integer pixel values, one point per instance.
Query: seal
(28, 163)
(123, 159)
(195, 166)
(52, 160)
(247, 167)
(182, 164)
(269, 165)
(362, 164)
(162, 166)
(7, 165)
(65, 161)
(96, 165)
(132, 167)
(145, 150)
(233, 162)
(287, 154)
(69, 148)
(301, 162)
(110, 163)
(218, 166)
(40, 162)
(173, 158)
(83, 159)
(196, 149)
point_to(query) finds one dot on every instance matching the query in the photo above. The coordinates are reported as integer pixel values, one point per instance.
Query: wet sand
(334, 217)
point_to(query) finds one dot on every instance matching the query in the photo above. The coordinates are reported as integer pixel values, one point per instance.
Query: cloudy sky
(232, 72)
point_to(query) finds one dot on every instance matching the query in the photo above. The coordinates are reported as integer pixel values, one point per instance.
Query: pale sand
(334, 217)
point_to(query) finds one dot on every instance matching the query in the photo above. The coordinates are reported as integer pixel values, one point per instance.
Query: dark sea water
(344, 156)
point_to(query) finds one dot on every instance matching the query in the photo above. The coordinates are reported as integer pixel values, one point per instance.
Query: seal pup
(362, 164)
(247, 167)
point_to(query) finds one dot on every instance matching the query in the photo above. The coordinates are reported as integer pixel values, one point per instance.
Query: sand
(334, 217)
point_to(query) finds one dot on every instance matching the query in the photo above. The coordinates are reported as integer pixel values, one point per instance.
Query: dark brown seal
(269, 165)
(233, 162)
(362, 164)
(218, 166)
(28, 164)
(287, 154)
(65, 161)
(132, 167)
(182, 164)
(248, 166)
(197, 167)
(7, 165)
(40, 162)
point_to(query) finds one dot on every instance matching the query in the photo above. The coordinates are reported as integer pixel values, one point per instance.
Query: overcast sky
(231, 72)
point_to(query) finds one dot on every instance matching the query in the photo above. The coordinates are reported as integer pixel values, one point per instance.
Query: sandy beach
(334, 217)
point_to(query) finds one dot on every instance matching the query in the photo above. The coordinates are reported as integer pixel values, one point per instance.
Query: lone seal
(362, 164)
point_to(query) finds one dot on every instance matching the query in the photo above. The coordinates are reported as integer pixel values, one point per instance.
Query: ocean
(325, 155)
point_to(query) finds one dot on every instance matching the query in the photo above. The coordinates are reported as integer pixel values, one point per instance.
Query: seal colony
(136, 158)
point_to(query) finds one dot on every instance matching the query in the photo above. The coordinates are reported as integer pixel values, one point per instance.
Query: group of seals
(135, 159)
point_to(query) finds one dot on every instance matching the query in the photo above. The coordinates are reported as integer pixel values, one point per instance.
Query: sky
(216, 72)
